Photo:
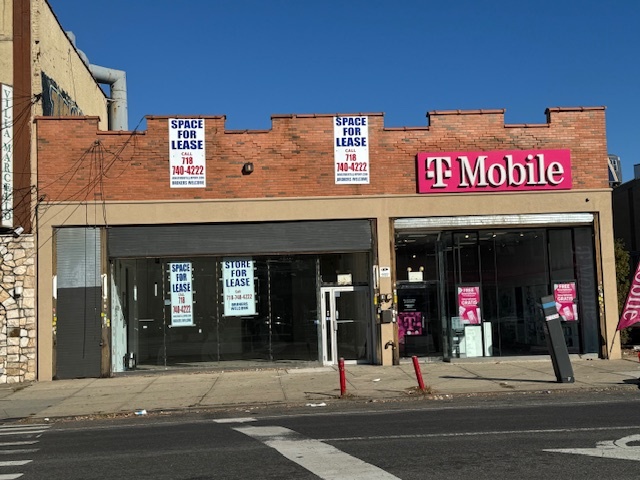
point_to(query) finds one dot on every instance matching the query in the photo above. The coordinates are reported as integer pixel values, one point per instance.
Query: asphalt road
(584, 436)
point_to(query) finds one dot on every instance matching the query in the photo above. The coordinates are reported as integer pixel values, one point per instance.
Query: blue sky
(249, 59)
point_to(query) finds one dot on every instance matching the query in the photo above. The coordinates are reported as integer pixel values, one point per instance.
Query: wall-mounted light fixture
(247, 168)
(17, 292)
(18, 231)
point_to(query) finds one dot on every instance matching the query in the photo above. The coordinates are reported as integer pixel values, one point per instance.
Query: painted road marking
(24, 430)
(15, 444)
(15, 463)
(478, 433)
(619, 449)
(235, 420)
(18, 450)
(323, 460)
(8, 428)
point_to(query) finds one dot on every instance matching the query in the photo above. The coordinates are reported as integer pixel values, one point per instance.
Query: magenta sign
(469, 304)
(631, 311)
(496, 171)
(565, 295)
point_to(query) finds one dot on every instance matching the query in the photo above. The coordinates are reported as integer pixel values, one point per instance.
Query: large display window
(476, 292)
(184, 311)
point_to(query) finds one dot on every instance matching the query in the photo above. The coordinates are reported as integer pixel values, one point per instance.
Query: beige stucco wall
(383, 209)
(53, 54)
(6, 42)
(59, 60)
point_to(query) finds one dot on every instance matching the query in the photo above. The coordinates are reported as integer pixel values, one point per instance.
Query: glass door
(346, 324)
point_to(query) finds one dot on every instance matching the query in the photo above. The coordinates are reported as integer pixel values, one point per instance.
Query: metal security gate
(240, 238)
(77, 334)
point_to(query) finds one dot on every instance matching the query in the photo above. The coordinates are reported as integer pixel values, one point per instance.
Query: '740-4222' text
(352, 167)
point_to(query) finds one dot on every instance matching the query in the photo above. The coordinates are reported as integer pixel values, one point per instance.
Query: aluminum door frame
(329, 317)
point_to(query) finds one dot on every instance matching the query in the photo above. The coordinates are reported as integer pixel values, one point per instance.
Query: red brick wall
(295, 157)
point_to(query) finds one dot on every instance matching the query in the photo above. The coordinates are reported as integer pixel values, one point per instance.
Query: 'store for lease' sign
(187, 153)
(238, 287)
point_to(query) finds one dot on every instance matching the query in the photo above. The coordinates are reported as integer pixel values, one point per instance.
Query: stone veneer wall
(17, 316)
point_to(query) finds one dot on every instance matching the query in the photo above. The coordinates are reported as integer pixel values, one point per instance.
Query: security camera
(18, 231)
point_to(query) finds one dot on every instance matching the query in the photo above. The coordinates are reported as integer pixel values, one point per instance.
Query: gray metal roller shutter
(78, 306)
(78, 256)
(240, 238)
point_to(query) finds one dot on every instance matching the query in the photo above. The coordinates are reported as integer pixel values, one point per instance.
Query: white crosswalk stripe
(319, 458)
(18, 450)
(6, 430)
(24, 431)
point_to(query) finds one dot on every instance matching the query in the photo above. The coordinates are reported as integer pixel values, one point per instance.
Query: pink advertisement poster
(469, 304)
(409, 323)
(565, 296)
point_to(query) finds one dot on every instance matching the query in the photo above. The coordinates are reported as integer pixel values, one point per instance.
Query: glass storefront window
(505, 272)
(281, 322)
(514, 277)
(418, 317)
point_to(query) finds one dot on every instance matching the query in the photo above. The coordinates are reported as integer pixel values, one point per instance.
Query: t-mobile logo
(438, 168)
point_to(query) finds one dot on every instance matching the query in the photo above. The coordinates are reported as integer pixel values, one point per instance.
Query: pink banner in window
(409, 323)
(565, 296)
(469, 304)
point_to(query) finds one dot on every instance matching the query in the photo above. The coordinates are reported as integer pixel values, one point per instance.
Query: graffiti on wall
(55, 101)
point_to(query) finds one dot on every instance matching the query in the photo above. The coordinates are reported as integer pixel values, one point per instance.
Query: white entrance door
(346, 324)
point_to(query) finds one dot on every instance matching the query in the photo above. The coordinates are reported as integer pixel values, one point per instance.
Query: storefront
(256, 308)
(323, 238)
(471, 286)
(270, 292)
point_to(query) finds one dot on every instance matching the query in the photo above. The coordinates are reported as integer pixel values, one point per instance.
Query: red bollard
(639, 356)
(416, 367)
(343, 380)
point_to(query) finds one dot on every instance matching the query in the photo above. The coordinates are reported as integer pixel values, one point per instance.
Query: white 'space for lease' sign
(238, 289)
(181, 294)
(351, 149)
(187, 153)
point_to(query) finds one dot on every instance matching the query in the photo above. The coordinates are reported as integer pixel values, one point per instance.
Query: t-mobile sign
(497, 171)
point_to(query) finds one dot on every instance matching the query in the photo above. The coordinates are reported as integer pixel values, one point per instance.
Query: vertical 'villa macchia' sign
(496, 171)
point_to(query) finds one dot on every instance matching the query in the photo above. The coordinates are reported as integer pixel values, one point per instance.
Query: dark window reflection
(284, 328)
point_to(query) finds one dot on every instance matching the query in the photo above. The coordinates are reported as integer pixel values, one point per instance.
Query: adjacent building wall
(626, 206)
(68, 87)
(6, 42)
(33, 46)
(17, 309)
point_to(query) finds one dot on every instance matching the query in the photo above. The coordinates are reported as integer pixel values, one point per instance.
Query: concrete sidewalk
(175, 391)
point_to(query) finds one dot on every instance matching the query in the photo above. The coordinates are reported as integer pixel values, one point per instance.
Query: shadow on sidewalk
(493, 379)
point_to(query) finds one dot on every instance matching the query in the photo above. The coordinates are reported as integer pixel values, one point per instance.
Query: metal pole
(343, 381)
(416, 367)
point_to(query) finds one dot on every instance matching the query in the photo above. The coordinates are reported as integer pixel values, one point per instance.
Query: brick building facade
(271, 201)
